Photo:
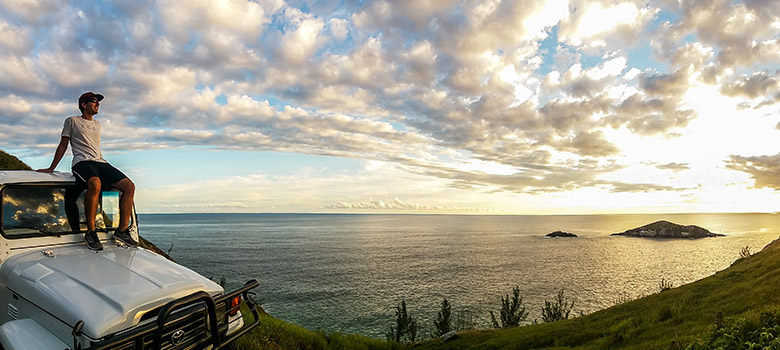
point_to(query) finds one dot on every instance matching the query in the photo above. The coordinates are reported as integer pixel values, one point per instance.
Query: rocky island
(666, 229)
(560, 234)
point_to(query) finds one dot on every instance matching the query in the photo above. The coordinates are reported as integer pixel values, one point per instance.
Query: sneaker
(124, 237)
(92, 241)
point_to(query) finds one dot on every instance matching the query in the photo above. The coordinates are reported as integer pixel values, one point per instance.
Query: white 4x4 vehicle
(57, 294)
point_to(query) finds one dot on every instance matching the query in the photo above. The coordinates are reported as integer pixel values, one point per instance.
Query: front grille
(126, 346)
(13, 311)
(193, 322)
(185, 330)
(222, 318)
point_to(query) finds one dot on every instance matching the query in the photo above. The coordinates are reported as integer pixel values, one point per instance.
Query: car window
(40, 210)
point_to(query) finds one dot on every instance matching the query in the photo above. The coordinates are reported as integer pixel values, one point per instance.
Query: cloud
(664, 84)
(299, 42)
(648, 116)
(492, 25)
(543, 90)
(421, 59)
(593, 144)
(33, 11)
(339, 28)
(593, 24)
(765, 170)
(692, 56)
(673, 166)
(315, 189)
(185, 20)
(14, 40)
(414, 15)
(16, 104)
(531, 176)
(395, 204)
(21, 75)
(622, 187)
(730, 25)
(742, 34)
(72, 69)
(756, 85)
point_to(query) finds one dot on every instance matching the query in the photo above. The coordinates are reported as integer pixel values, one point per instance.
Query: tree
(512, 310)
(443, 321)
(557, 310)
(411, 332)
(405, 325)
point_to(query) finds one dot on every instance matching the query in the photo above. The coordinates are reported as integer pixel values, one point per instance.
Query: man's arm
(61, 148)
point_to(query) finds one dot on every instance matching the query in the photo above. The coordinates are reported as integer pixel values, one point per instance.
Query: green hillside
(673, 319)
(9, 162)
(669, 319)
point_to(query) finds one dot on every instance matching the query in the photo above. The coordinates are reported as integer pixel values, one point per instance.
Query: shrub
(745, 252)
(443, 321)
(743, 333)
(512, 311)
(558, 309)
(665, 285)
(405, 325)
(622, 298)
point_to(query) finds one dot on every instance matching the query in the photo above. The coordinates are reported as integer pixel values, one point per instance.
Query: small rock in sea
(560, 234)
(449, 335)
(666, 229)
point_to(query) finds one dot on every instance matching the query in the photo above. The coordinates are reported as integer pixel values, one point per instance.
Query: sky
(442, 106)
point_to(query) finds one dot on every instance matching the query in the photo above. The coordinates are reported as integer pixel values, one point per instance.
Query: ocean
(347, 273)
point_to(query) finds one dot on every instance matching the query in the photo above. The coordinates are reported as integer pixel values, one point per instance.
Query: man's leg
(127, 187)
(91, 201)
(90, 210)
(71, 207)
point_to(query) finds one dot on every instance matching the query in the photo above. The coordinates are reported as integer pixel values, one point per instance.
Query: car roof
(30, 176)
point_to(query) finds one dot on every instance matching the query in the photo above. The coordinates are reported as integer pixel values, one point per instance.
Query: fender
(27, 334)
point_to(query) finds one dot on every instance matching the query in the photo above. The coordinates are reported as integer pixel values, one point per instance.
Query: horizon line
(449, 214)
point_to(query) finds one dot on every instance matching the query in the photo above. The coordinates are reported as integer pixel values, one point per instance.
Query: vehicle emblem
(177, 337)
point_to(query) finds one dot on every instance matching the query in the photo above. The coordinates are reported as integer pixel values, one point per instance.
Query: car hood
(109, 290)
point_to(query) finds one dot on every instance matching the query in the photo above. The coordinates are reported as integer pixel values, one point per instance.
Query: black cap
(87, 95)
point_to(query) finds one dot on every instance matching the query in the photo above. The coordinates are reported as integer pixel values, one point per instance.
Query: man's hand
(47, 170)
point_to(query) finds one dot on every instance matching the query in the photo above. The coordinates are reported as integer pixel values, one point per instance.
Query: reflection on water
(346, 273)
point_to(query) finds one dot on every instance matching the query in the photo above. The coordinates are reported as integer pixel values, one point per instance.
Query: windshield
(40, 210)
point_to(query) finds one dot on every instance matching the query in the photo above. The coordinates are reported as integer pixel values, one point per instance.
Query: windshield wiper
(97, 229)
(43, 230)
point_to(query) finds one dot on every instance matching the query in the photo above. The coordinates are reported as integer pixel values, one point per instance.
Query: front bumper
(196, 321)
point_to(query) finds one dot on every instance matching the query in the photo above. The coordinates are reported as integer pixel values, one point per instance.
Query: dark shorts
(107, 174)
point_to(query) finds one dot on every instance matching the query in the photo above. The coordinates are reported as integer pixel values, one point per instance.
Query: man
(93, 172)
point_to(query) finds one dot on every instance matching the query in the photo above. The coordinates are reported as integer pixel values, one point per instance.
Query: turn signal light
(235, 304)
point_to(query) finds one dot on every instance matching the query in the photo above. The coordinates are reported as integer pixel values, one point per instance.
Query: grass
(275, 334)
(754, 331)
(673, 319)
(10, 162)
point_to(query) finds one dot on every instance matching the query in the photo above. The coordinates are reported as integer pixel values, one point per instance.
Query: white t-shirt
(84, 139)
